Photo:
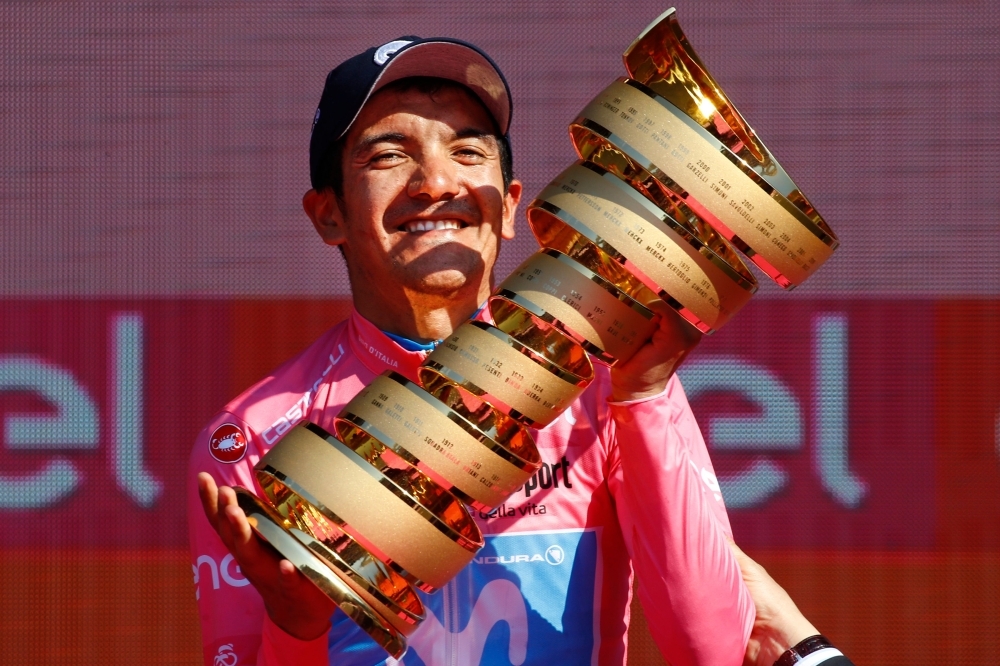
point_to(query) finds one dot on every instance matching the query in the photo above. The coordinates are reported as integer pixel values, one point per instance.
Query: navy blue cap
(353, 81)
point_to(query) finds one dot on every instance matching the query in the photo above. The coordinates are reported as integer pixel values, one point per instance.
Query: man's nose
(435, 178)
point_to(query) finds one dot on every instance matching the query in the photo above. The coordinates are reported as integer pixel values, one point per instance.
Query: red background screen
(154, 256)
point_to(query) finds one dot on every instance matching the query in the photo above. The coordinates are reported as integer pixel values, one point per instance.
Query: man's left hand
(295, 605)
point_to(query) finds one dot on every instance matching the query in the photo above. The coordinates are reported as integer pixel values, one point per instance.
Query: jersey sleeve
(676, 530)
(235, 628)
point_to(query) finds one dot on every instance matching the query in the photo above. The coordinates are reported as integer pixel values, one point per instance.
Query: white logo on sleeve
(225, 656)
(386, 51)
(231, 573)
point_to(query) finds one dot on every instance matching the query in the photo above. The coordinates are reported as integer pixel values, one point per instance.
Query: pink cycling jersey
(622, 485)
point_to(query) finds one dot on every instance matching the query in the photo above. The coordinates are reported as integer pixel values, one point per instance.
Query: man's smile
(417, 226)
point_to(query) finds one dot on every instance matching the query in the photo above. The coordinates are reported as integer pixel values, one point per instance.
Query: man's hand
(646, 374)
(779, 624)
(293, 603)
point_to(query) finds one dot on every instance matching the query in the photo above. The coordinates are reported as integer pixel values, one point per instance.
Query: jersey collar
(378, 352)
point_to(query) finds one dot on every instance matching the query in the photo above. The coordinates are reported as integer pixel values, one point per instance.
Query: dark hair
(331, 173)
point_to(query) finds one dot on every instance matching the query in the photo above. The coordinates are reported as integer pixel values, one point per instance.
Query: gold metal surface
(758, 219)
(545, 341)
(667, 206)
(272, 528)
(320, 519)
(532, 385)
(505, 431)
(438, 505)
(662, 59)
(435, 440)
(401, 516)
(592, 252)
(705, 289)
(561, 292)
(388, 593)
(401, 618)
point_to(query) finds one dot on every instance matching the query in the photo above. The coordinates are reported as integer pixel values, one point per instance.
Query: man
(412, 181)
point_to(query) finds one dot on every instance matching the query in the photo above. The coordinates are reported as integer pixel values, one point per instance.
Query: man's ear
(510, 201)
(323, 209)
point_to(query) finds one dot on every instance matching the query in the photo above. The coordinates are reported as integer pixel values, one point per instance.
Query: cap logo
(385, 51)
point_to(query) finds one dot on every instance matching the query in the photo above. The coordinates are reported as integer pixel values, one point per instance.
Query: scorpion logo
(228, 444)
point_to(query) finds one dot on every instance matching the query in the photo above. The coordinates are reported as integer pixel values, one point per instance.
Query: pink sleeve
(235, 629)
(676, 528)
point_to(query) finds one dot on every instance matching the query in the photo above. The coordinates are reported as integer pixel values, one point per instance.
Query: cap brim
(453, 61)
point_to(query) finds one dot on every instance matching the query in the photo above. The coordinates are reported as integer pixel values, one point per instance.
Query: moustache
(458, 209)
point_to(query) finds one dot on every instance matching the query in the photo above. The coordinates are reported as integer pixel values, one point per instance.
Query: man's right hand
(292, 602)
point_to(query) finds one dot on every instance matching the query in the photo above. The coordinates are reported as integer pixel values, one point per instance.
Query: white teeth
(431, 225)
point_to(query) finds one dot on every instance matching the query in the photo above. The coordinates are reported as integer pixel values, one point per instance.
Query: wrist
(627, 394)
(773, 644)
(628, 385)
(801, 651)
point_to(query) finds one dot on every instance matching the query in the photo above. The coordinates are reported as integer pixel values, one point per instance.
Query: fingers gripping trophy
(671, 187)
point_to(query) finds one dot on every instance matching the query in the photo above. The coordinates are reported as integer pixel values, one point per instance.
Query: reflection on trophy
(672, 185)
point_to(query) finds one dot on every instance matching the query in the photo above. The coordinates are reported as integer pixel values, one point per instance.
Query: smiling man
(419, 206)
(411, 175)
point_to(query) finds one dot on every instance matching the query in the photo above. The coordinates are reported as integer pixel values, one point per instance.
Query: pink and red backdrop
(154, 253)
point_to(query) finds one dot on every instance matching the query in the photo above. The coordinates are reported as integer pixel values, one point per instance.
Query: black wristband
(794, 654)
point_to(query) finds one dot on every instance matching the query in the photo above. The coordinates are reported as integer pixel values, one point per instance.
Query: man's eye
(385, 158)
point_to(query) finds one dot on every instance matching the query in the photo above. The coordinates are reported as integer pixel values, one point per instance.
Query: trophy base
(269, 526)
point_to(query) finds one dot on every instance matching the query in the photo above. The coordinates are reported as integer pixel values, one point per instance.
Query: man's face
(423, 206)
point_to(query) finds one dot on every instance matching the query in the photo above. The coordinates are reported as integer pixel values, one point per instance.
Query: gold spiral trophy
(671, 182)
